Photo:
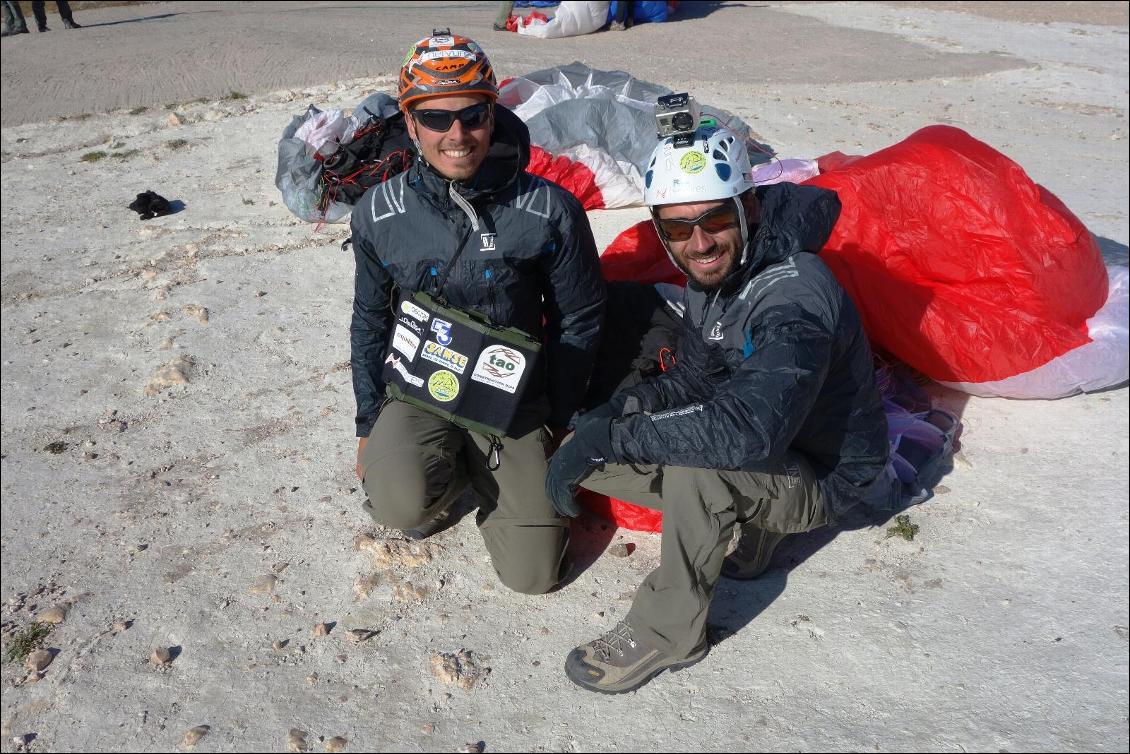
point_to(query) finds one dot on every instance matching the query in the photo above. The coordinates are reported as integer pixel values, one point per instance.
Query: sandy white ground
(1002, 626)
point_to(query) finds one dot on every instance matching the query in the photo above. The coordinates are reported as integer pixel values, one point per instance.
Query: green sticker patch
(443, 385)
(692, 162)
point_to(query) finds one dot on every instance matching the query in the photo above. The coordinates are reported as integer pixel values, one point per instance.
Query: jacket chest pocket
(499, 288)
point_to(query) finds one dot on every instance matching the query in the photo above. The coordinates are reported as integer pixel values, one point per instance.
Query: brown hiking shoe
(619, 662)
(752, 556)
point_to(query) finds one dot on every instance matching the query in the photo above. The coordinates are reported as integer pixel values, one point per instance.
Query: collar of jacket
(507, 158)
(793, 219)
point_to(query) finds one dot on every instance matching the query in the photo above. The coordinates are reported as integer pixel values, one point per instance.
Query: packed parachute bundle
(973, 274)
(593, 131)
(327, 160)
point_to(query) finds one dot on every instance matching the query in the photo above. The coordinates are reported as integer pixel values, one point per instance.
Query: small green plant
(177, 143)
(138, 110)
(172, 106)
(236, 95)
(93, 156)
(126, 154)
(903, 528)
(22, 643)
(78, 116)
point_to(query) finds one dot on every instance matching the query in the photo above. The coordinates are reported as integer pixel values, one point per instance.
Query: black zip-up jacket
(529, 261)
(775, 358)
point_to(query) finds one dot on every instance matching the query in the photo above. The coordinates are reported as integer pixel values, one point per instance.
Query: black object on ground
(150, 204)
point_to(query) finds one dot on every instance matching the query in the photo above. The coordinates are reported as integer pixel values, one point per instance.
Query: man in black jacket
(770, 419)
(467, 225)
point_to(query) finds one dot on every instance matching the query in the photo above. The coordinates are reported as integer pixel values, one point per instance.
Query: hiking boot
(752, 556)
(619, 662)
(44, 28)
(68, 24)
(426, 529)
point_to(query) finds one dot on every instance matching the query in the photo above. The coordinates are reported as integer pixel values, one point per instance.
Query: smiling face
(714, 246)
(456, 153)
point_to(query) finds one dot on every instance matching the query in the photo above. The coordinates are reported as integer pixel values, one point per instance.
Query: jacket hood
(507, 158)
(793, 219)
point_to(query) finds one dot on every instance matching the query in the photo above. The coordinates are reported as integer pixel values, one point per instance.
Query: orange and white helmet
(442, 64)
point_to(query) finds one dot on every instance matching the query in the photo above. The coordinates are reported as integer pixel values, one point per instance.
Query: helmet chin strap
(737, 200)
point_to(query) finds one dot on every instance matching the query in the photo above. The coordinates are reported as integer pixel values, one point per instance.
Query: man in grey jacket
(770, 419)
(466, 224)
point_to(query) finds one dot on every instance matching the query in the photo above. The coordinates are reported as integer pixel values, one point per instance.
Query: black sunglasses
(712, 221)
(474, 116)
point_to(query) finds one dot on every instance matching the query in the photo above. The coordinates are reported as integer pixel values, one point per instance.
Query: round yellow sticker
(443, 385)
(692, 162)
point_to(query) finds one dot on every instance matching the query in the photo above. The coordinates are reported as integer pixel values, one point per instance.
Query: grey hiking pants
(700, 508)
(417, 464)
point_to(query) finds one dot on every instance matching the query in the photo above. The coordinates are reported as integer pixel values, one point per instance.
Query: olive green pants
(700, 508)
(416, 464)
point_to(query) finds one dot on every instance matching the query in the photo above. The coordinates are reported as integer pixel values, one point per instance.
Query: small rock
(192, 736)
(38, 660)
(175, 372)
(312, 679)
(122, 625)
(296, 740)
(359, 635)
(161, 657)
(322, 629)
(264, 584)
(174, 120)
(428, 729)
(622, 550)
(474, 747)
(52, 615)
(279, 644)
(200, 312)
(463, 668)
(409, 592)
(364, 585)
(337, 743)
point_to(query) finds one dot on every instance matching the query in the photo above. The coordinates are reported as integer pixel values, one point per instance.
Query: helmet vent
(647, 177)
(723, 170)
(719, 155)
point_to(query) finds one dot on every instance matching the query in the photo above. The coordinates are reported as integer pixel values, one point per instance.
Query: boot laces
(614, 641)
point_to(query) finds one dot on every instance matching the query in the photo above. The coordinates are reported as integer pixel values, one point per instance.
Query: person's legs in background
(14, 22)
(504, 10)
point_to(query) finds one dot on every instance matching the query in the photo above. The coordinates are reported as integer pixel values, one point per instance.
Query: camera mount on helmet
(678, 116)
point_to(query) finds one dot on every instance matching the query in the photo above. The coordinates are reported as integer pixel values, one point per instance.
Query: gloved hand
(589, 448)
(604, 412)
(631, 401)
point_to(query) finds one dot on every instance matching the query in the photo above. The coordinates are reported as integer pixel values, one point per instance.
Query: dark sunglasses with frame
(722, 217)
(440, 121)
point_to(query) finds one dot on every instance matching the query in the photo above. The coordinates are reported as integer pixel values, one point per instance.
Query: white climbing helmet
(714, 166)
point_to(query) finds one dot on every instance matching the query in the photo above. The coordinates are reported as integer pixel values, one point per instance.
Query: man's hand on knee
(360, 449)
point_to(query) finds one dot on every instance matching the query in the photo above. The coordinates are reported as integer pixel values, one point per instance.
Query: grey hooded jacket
(529, 261)
(775, 358)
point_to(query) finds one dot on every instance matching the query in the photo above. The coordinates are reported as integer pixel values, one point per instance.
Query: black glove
(590, 448)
